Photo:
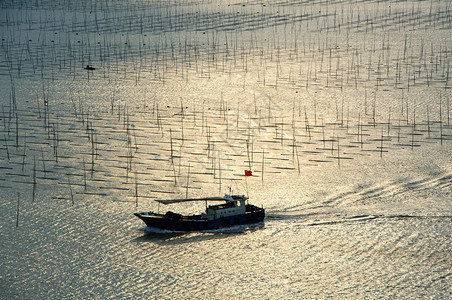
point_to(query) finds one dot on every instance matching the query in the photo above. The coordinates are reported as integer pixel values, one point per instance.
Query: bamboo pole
(70, 188)
(17, 211)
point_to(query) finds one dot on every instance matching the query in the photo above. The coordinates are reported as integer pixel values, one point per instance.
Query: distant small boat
(231, 213)
(89, 68)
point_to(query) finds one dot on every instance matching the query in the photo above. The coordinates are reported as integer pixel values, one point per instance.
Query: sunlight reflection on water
(340, 109)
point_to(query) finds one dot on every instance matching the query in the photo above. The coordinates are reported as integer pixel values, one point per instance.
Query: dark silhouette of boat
(231, 213)
(89, 68)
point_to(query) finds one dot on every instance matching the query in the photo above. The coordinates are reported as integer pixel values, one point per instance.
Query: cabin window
(239, 203)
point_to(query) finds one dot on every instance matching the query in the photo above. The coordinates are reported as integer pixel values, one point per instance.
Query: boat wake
(344, 220)
(403, 189)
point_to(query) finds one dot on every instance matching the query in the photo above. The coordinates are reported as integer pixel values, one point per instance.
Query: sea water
(340, 109)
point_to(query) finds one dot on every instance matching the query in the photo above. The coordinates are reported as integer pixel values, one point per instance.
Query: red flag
(248, 173)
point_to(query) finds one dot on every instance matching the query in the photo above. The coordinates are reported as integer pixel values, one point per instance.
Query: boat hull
(172, 222)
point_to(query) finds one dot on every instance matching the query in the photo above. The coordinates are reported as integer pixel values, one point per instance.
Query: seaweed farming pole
(92, 152)
(34, 178)
(70, 188)
(5, 125)
(136, 187)
(6, 146)
(171, 147)
(188, 181)
(43, 162)
(298, 160)
(219, 171)
(389, 121)
(17, 211)
(441, 119)
(24, 154)
(381, 144)
(448, 112)
(84, 172)
(17, 131)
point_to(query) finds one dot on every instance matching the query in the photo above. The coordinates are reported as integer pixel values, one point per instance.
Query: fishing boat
(233, 211)
(89, 68)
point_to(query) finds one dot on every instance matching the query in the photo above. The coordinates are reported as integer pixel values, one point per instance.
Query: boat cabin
(235, 205)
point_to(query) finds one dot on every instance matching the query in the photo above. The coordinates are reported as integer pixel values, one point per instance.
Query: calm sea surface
(341, 109)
